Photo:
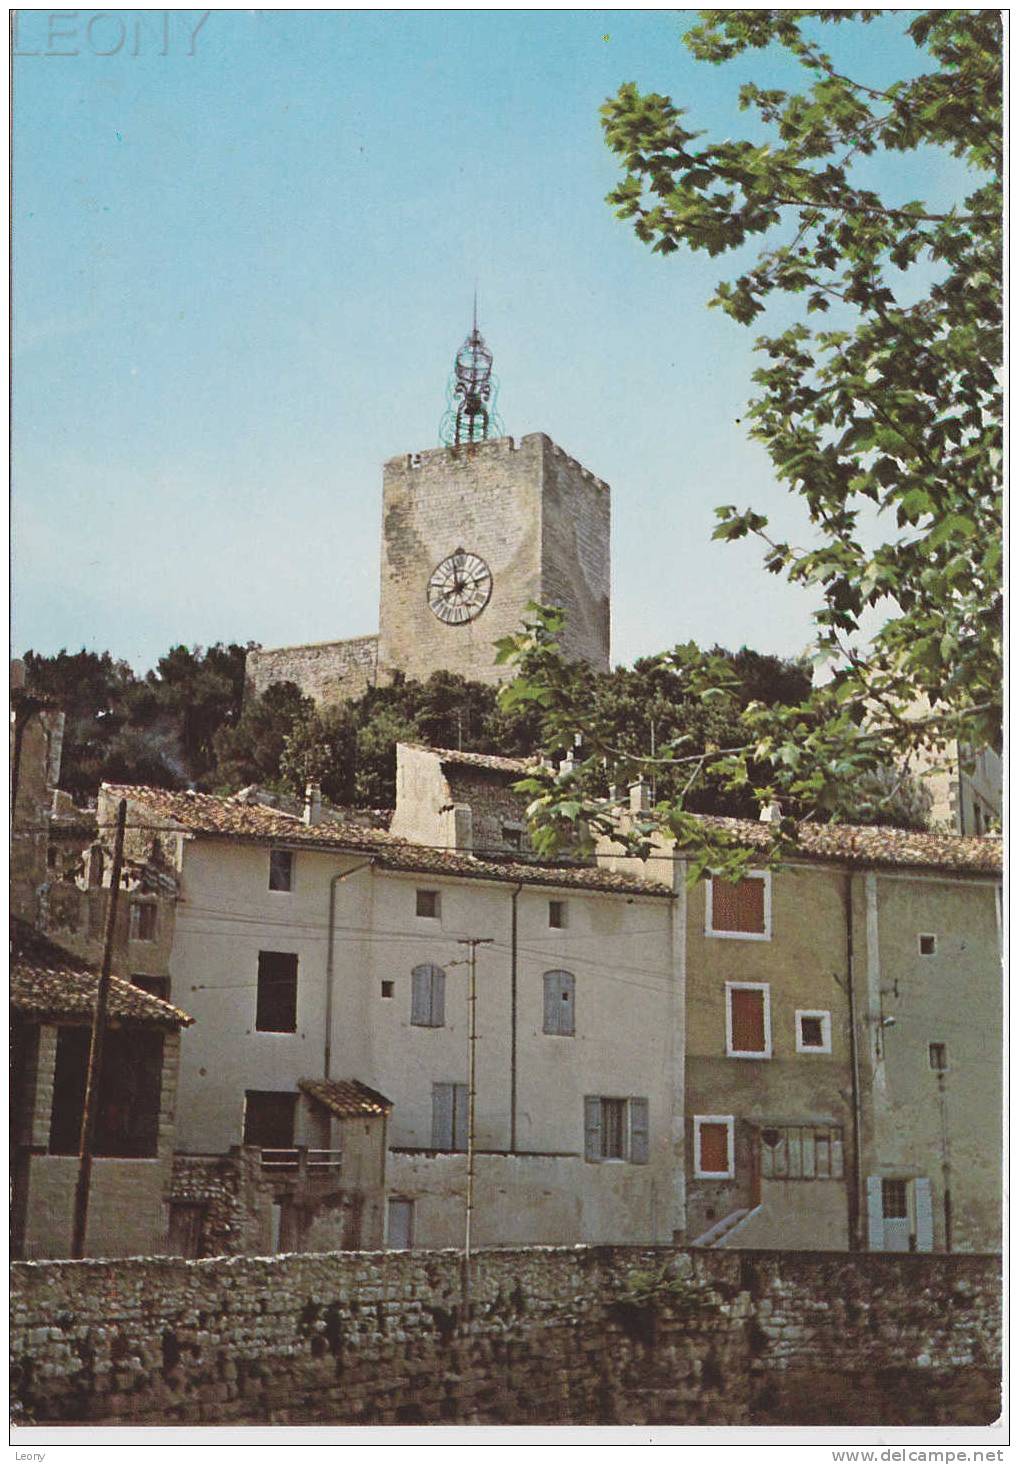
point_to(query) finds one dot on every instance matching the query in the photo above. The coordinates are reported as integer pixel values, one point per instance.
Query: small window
(557, 914)
(450, 1116)
(741, 910)
(895, 1200)
(513, 836)
(559, 1016)
(928, 945)
(276, 1009)
(281, 869)
(428, 904)
(616, 1129)
(713, 1146)
(747, 1020)
(269, 1119)
(155, 986)
(813, 1032)
(400, 1225)
(387, 988)
(428, 996)
(143, 920)
(938, 1056)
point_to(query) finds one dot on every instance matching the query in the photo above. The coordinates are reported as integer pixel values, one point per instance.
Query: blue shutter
(461, 1117)
(638, 1131)
(924, 1214)
(420, 996)
(442, 1116)
(550, 1023)
(438, 1013)
(592, 1129)
(567, 1017)
(875, 1215)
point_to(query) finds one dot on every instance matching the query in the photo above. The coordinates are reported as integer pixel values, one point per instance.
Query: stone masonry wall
(328, 671)
(558, 1335)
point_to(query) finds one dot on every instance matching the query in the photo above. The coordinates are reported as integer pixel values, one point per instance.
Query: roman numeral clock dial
(460, 588)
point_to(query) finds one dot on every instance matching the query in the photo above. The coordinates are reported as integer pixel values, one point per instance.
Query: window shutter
(442, 1116)
(638, 1131)
(592, 1129)
(714, 1148)
(462, 1117)
(747, 1015)
(438, 997)
(738, 907)
(550, 1022)
(875, 1215)
(924, 1214)
(567, 988)
(420, 996)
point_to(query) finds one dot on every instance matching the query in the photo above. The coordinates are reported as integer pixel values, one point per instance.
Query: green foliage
(251, 750)
(887, 426)
(683, 1295)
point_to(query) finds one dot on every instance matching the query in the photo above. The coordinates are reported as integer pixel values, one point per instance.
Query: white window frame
(709, 913)
(926, 936)
(825, 1044)
(699, 1120)
(765, 987)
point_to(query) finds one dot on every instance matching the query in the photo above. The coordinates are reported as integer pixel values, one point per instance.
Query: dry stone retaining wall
(556, 1335)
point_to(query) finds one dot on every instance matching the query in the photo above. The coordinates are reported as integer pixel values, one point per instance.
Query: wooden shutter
(924, 1214)
(747, 1020)
(875, 1214)
(442, 1116)
(592, 1129)
(714, 1148)
(461, 1117)
(638, 1131)
(421, 996)
(738, 907)
(550, 1021)
(438, 992)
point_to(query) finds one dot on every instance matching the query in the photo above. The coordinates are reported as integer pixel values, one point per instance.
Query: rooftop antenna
(470, 415)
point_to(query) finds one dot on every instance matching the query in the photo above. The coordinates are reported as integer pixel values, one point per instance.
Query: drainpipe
(513, 1018)
(327, 1056)
(855, 1197)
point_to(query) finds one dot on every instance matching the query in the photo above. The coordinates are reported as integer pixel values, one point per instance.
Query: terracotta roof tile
(488, 761)
(215, 817)
(879, 847)
(347, 1098)
(48, 982)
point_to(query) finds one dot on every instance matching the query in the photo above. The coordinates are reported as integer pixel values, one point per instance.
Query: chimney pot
(313, 803)
(771, 813)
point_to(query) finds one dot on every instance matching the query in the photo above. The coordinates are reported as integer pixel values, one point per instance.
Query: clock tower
(472, 532)
(470, 535)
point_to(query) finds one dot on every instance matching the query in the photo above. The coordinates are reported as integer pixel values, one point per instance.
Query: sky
(245, 246)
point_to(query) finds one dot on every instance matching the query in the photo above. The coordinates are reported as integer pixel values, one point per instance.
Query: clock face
(460, 587)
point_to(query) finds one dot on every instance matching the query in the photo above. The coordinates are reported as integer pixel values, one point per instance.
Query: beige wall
(917, 1123)
(127, 1199)
(619, 948)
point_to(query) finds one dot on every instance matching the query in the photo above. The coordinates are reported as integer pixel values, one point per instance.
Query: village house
(325, 960)
(53, 995)
(842, 1028)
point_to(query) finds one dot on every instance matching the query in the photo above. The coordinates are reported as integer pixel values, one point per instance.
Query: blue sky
(242, 269)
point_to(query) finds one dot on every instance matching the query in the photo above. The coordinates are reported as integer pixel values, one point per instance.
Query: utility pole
(95, 1052)
(472, 942)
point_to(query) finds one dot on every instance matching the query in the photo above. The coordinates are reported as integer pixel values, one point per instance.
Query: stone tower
(470, 535)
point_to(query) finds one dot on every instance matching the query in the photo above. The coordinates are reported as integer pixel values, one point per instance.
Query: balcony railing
(301, 1163)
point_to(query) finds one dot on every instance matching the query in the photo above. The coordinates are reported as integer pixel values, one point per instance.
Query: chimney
(313, 802)
(640, 796)
(17, 674)
(771, 813)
